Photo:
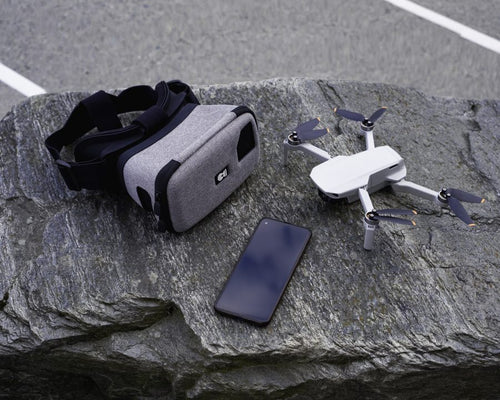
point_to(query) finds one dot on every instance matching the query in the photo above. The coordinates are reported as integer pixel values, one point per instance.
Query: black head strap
(96, 154)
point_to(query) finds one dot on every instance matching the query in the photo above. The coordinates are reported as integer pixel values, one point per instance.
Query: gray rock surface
(98, 304)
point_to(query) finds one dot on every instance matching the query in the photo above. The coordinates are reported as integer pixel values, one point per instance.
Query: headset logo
(222, 175)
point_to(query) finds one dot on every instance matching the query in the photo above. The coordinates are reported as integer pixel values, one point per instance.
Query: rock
(98, 304)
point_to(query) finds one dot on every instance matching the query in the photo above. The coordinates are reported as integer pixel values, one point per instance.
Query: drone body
(354, 177)
(342, 176)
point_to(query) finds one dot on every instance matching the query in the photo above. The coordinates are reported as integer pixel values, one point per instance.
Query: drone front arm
(306, 148)
(404, 186)
(367, 204)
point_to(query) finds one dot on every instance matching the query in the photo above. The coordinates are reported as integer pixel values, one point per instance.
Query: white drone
(354, 177)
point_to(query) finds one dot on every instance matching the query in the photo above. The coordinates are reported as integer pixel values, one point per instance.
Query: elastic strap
(96, 154)
(102, 110)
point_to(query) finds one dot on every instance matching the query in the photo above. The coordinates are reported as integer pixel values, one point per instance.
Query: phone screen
(261, 275)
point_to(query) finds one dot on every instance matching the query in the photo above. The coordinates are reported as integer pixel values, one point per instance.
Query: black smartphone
(263, 271)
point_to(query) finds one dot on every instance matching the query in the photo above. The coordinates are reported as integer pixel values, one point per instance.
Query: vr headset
(178, 158)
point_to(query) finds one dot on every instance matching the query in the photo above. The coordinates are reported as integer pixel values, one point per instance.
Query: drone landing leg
(285, 153)
(369, 235)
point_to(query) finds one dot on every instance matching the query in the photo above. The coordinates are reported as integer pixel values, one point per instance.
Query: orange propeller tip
(414, 223)
(483, 200)
(328, 130)
(414, 212)
(335, 109)
(471, 225)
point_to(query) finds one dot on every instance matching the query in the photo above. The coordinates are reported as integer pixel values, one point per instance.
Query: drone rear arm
(370, 142)
(306, 148)
(404, 186)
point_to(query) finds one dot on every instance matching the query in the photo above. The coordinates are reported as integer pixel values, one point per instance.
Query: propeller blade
(310, 135)
(397, 211)
(464, 196)
(307, 126)
(394, 220)
(459, 211)
(349, 114)
(377, 114)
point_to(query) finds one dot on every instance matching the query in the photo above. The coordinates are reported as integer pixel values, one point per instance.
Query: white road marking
(28, 88)
(464, 31)
(19, 82)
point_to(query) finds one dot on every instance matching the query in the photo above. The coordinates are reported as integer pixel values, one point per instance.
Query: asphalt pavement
(91, 45)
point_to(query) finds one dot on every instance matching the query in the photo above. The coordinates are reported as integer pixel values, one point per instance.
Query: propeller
(453, 197)
(354, 116)
(306, 131)
(381, 215)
